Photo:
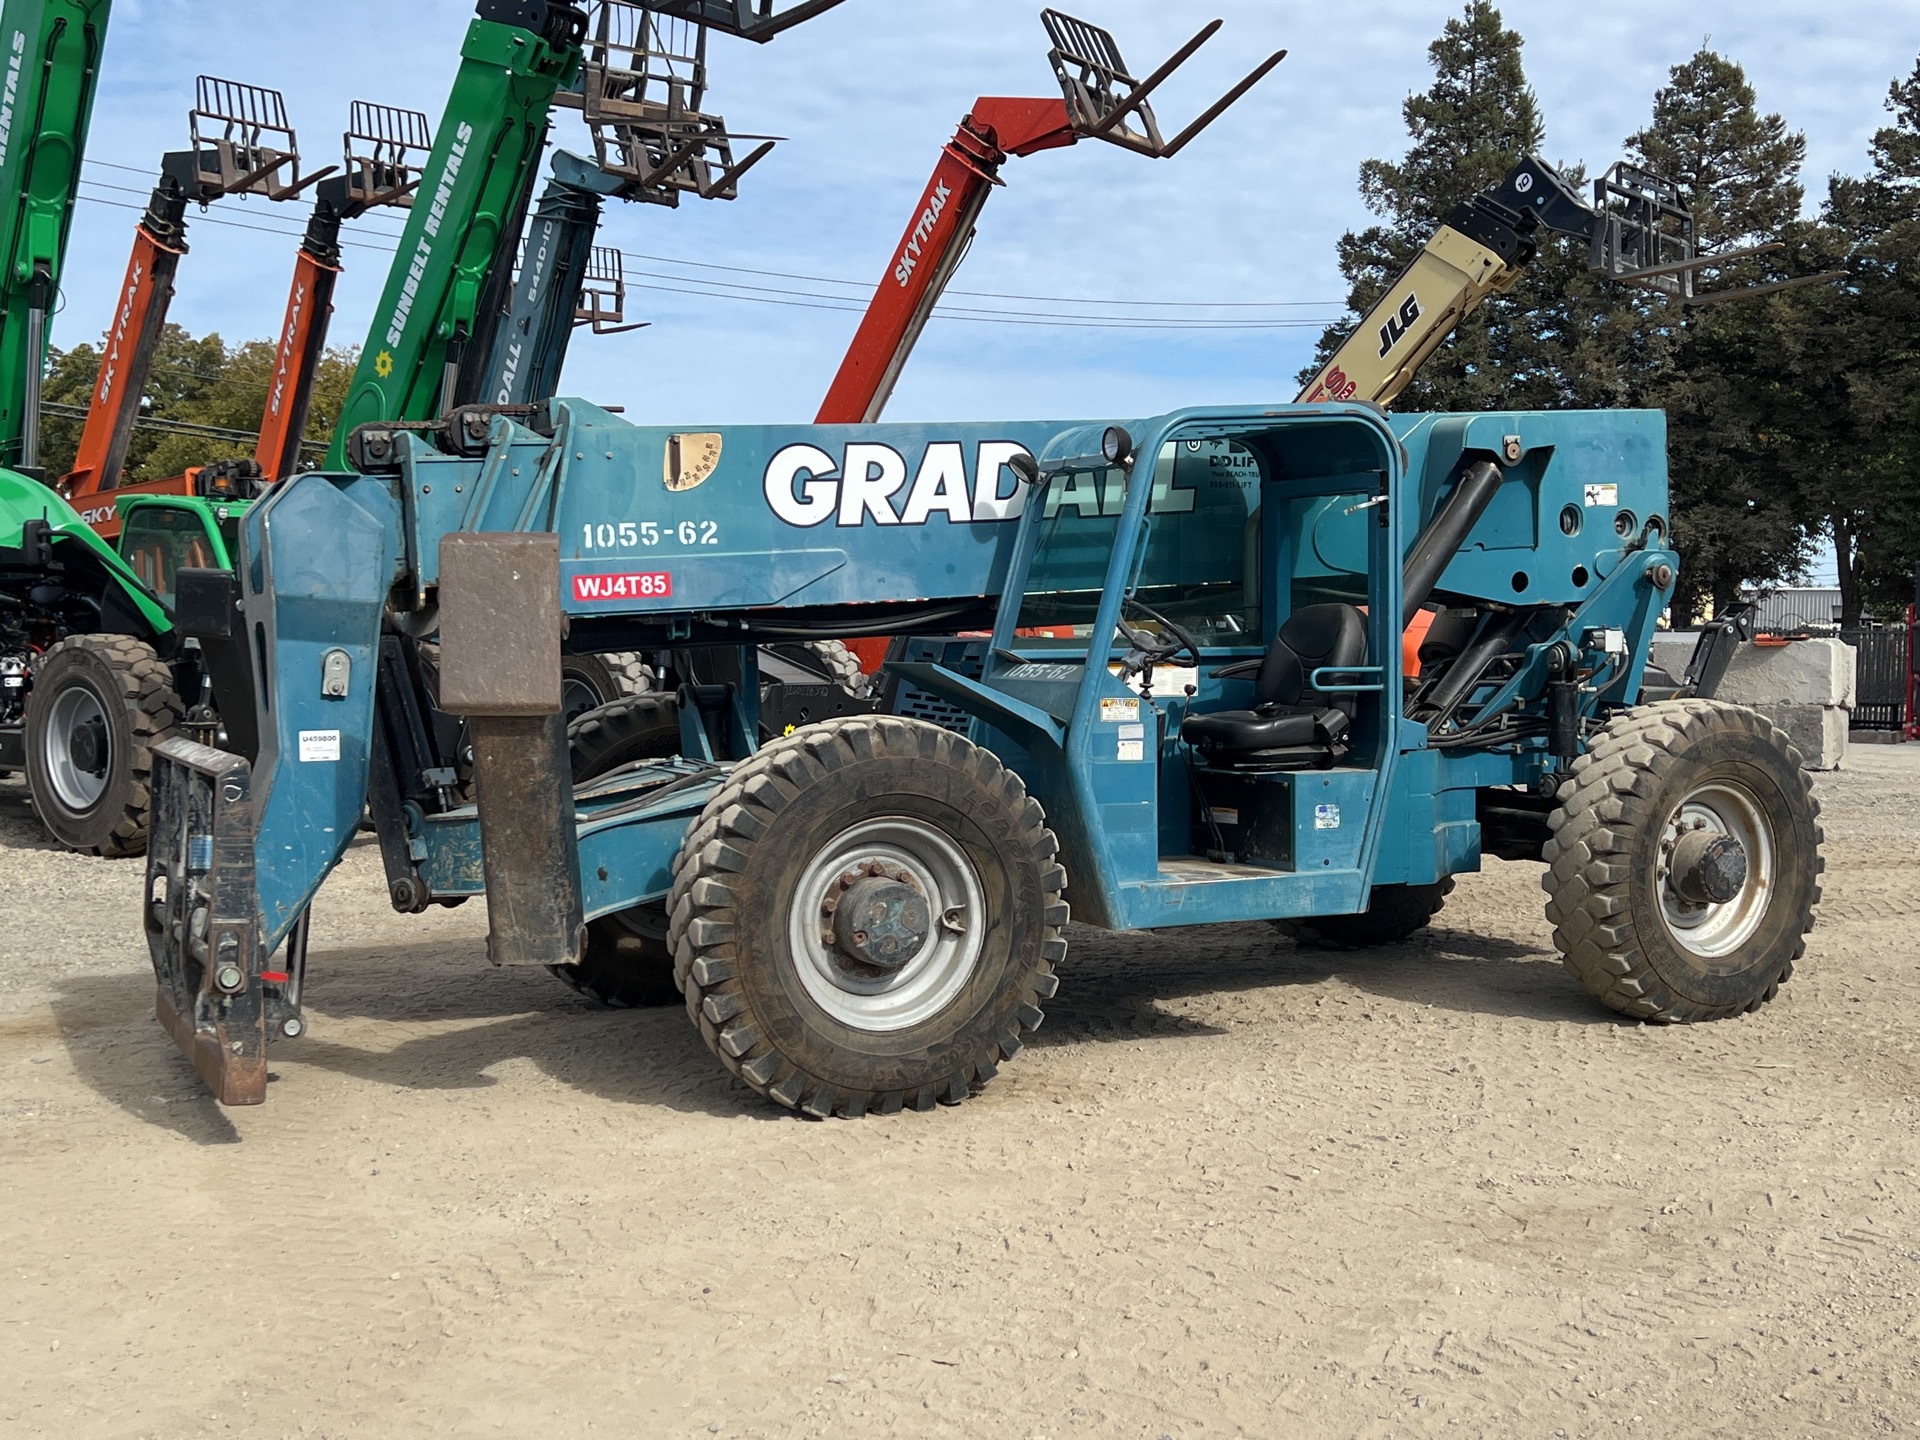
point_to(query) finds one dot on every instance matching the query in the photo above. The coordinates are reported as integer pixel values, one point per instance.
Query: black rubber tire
(134, 690)
(1393, 913)
(843, 666)
(733, 887)
(582, 676)
(625, 961)
(1601, 879)
(631, 672)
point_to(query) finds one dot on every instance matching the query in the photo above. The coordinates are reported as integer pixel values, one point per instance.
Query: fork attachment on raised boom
(1100, 100)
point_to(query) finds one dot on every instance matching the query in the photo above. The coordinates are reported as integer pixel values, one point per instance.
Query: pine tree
(1849, 363)
(1469, 129)
(1737, 514)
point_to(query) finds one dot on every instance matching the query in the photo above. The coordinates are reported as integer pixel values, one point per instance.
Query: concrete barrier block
(1672, 649)
(1818, 732)
(1806, 672)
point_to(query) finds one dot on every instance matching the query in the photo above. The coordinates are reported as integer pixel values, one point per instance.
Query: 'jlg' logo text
(1395, 330)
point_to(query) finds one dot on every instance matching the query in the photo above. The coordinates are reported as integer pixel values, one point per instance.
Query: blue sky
(867, 94)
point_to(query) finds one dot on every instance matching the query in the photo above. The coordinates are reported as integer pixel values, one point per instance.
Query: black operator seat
(1288, 713)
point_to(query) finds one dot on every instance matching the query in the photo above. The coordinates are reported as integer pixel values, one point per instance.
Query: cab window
(158, 541)
(1200, 567)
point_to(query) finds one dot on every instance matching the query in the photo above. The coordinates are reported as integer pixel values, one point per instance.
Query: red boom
(935, 239)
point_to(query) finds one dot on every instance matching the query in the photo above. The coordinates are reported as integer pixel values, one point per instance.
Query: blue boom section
(667, 534)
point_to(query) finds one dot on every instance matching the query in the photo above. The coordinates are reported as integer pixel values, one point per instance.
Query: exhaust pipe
(1442, 539)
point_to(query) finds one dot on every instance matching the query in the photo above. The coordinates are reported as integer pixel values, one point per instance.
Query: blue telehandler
(1189, 708)
(1149, 666)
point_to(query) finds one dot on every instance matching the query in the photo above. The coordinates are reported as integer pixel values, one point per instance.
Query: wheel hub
(1716, 872)
(77, 747)
(1709, 869)
(87, 746)
(881, 923)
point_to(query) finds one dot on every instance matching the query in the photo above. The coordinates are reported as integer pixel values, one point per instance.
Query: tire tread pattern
(1589, 864)
(702, 907)
(153, 710)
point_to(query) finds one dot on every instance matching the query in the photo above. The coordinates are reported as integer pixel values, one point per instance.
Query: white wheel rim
(928, 981)
(1718, 932)
(577, 697)
(77, 788)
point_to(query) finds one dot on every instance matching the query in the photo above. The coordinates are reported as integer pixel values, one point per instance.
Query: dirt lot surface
(1234, 1189)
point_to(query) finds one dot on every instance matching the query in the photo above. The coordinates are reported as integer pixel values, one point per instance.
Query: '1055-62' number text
(627, 534)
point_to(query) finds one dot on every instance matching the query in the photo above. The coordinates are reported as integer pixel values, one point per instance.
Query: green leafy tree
(197, 381)
(1738, 516)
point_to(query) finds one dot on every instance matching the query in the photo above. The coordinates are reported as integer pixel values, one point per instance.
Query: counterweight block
(500, 667)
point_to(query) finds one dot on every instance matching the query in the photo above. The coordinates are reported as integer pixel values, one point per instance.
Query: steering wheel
(1153, 648)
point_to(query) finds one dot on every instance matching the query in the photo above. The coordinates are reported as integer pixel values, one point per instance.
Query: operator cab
(1209, 618)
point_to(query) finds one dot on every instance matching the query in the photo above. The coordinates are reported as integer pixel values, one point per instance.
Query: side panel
(316, 564)
(23, 499)
(655, 522)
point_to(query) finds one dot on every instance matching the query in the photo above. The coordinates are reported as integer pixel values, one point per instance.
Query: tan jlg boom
(1638, 230)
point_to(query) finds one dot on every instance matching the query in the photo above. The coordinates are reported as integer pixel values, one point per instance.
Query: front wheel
(98, 706)
(867, 916)
(1684, 863)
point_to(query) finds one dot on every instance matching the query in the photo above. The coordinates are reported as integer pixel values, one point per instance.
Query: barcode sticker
(319, 746)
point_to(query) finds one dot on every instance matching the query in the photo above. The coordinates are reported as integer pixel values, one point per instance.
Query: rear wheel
(1393, 913)
(625, 961)
(99, 704)
(590, 681)
(1685, 862)
(867, 916)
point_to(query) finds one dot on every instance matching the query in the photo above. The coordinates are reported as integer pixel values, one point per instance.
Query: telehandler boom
(433, 329)
(384, 146)
(1637, 230)
(51, 53)
(1101, 101)
(242, 144)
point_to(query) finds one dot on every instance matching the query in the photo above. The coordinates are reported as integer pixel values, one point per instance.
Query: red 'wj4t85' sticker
(631, 585)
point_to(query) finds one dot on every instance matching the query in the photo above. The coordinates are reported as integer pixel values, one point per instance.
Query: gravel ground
(1234, 1189)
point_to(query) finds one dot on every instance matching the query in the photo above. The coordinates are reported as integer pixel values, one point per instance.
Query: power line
(231, 224)
(56, 410)
(998, 318)
(866, 285)
(1001, 295)
(849, 304)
